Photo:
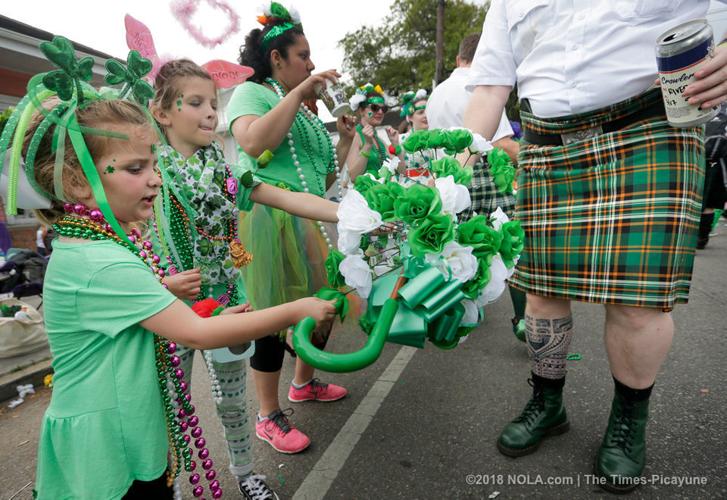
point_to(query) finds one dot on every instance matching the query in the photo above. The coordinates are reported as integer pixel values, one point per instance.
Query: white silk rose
(356, 273)
(455, 197)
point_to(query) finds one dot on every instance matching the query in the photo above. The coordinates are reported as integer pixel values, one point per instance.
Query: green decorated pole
(345, 362)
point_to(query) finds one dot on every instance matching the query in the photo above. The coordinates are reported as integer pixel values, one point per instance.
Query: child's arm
(301, 204)
(180, 324)
(357, 161)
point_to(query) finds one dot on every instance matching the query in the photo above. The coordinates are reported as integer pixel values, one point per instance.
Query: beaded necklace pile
(303, 116)
(182, 423)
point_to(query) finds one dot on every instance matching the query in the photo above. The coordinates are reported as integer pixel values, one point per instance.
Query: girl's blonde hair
(95, 114)
(167, 80)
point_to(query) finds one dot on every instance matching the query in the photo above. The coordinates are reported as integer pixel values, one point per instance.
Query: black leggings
(270, 350)
(157, 489)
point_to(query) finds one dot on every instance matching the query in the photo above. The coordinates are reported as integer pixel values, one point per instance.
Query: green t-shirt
(105, 426)
(312, 147)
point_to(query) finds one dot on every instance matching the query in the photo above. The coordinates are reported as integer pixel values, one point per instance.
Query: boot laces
(535, 406)
(624, 429)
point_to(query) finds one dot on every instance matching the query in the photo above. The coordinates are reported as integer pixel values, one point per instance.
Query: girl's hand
(242, 308)
(393, 135)
(368, 133)
(185, 285)
(320, 310)
(346, 127)
(311, 86)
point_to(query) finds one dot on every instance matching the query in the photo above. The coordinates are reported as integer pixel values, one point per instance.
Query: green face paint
(179, 103)
(109, 170)
(370, 114)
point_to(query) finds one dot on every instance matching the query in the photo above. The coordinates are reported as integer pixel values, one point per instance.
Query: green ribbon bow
(132, 76)
(72, 72)
(429, 308)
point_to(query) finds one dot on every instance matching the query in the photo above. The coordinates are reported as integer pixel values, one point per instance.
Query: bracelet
(394, 149)
(365, 154)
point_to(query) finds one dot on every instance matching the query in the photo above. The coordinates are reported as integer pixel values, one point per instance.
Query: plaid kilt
(485, 196)
(612, 219)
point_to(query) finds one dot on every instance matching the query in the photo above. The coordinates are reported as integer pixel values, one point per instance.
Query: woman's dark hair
(253, 55)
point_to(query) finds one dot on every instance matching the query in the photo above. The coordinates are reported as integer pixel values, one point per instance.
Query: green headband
(275, 32)
(376, 100)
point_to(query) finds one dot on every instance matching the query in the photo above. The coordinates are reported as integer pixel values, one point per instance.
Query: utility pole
(439, 64)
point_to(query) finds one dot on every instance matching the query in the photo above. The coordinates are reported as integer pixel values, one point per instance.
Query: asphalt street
(421, 424)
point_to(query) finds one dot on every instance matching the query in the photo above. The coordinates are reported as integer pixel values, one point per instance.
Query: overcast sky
(101, 24)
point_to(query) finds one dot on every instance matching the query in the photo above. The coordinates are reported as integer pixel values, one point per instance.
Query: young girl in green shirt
(112, 420)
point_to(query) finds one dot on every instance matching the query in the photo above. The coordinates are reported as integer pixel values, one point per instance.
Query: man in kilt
(609, 195)
(445, 109)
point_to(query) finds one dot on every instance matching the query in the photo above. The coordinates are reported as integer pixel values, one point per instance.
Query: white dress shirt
(447, 104)
(573, 56)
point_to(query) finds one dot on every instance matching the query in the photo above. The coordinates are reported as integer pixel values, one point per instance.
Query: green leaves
(72, 72)
(132, 75)
(332, 263)
(501, 169)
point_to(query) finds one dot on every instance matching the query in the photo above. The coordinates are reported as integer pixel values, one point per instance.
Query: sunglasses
(377, 107)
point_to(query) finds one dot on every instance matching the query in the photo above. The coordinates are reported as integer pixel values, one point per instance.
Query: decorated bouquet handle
(345, 362)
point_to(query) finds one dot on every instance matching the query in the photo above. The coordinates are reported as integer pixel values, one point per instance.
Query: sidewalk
(25, 369)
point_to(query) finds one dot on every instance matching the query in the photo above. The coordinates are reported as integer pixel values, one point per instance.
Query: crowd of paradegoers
(164, 247)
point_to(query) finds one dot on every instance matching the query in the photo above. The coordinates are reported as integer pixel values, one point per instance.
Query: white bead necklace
(317, 123)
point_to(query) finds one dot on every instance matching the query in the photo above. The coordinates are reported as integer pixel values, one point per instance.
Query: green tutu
(288, 255)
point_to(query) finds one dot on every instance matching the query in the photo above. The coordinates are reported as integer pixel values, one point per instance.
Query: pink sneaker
(316, 391)
(280, 433)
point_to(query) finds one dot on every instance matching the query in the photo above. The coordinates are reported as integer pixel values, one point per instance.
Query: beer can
(680, 53)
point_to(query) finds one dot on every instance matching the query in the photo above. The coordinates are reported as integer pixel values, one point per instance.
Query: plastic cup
(334, 98)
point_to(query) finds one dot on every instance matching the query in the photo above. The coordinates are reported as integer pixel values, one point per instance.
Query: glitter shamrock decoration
(132, 76)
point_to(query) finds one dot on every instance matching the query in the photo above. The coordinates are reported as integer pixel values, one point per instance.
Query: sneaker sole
(611, 487)
(263, 438)
(520, 452)
(315, 399)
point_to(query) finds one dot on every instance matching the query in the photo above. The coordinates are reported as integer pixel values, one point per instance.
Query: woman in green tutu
(267, 115)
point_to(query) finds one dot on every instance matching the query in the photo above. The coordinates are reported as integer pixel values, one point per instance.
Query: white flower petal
(498, 218)
(357, 274)
(348, 241)
(497, 284)
(471, 313)
(479, 144)
(455, 197)
(461, 262)
(355, 215)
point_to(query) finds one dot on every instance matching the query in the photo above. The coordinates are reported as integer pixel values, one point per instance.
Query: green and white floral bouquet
(442, 270)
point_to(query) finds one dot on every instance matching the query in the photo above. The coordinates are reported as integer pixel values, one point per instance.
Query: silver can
(680, 53)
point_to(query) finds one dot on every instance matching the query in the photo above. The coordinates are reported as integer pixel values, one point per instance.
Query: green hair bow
(408, 99)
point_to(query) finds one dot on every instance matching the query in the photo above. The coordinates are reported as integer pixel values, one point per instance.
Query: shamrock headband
(408, 99)
(362, 96)
(70, 84)
(272, 16)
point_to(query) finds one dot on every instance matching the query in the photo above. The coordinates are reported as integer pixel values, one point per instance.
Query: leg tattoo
(548, 342)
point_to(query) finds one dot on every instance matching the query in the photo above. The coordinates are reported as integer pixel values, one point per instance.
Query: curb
(32, 374)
